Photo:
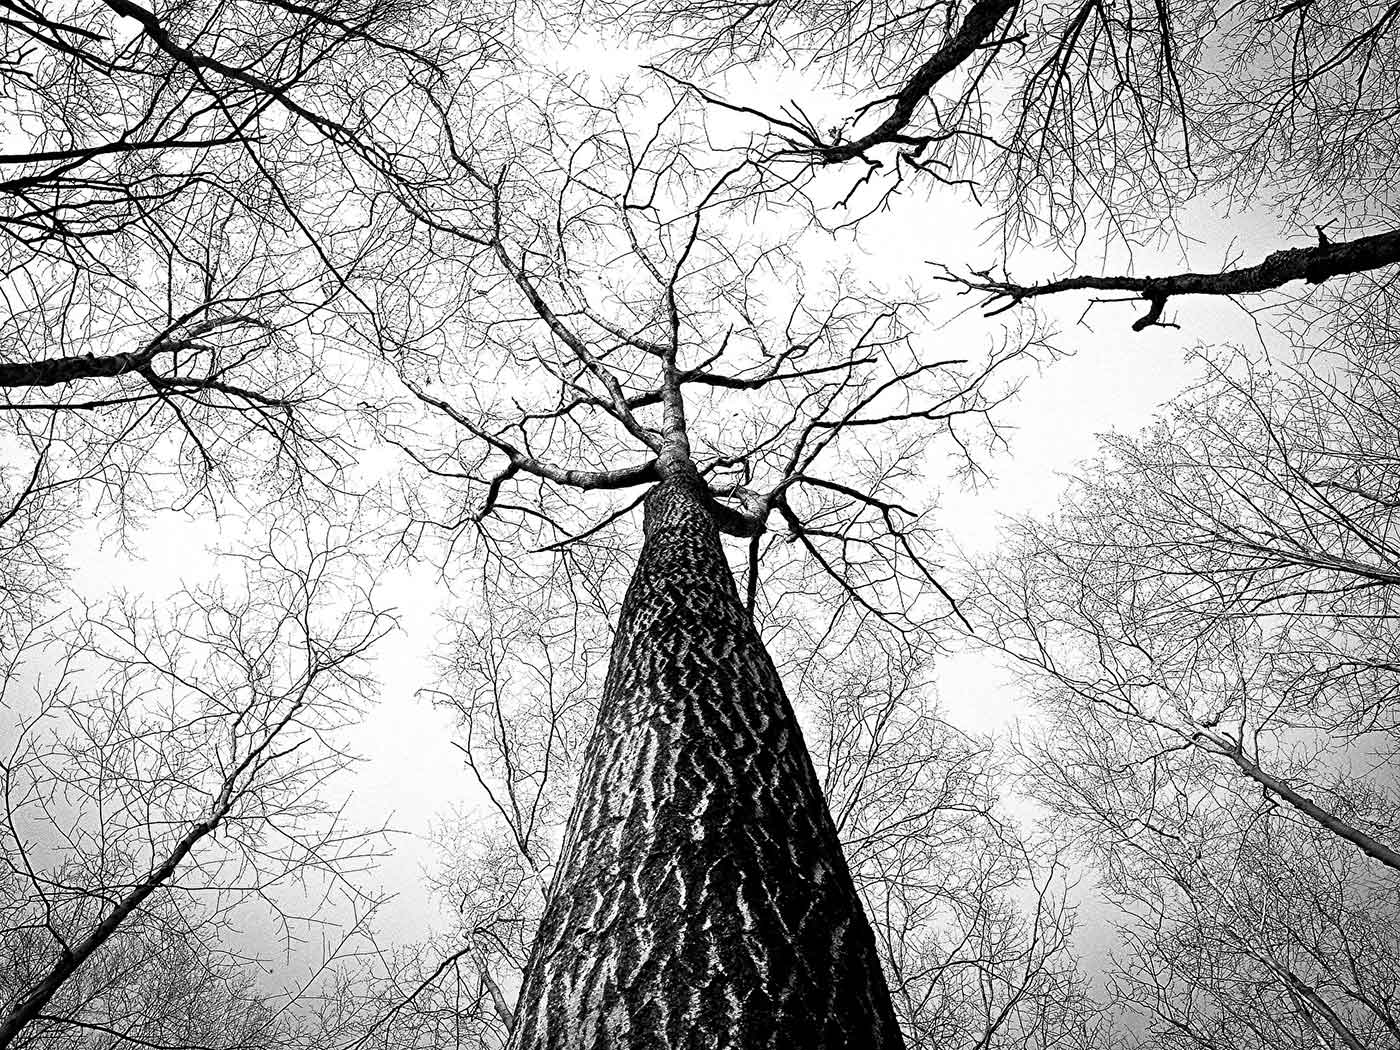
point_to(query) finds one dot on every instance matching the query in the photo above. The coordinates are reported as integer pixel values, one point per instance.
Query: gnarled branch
(1324, 260)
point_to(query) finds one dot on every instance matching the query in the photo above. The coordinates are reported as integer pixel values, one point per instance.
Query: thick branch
(1314, 265)
(156, 31)
(982, 19)
(58, 370)
(805, 140)
(747, 523)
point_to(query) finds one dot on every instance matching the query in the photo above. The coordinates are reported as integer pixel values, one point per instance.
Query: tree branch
(981, 21)
(1368, 845)
(1316, 264)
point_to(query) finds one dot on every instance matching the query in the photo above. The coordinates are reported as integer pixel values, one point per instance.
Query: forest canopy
(699, 524)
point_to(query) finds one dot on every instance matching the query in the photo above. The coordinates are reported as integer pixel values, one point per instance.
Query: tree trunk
(701, 898)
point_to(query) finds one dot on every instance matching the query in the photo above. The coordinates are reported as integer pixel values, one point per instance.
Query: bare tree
(153, 986)
(972, 914)
(700, 893)
(1210, 625)
(164, 770)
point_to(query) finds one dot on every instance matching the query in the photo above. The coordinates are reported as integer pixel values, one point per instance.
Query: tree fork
(701, 899)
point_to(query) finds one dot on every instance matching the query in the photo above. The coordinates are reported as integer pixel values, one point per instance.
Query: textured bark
(701, 898)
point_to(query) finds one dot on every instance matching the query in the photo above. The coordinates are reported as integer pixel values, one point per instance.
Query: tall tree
(968, 911)
(700, 896)
(216, 200)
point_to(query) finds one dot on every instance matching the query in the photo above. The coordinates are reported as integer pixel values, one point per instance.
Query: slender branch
(1368, 845)
(520, 460)
(593, 529)
(127, 1037)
